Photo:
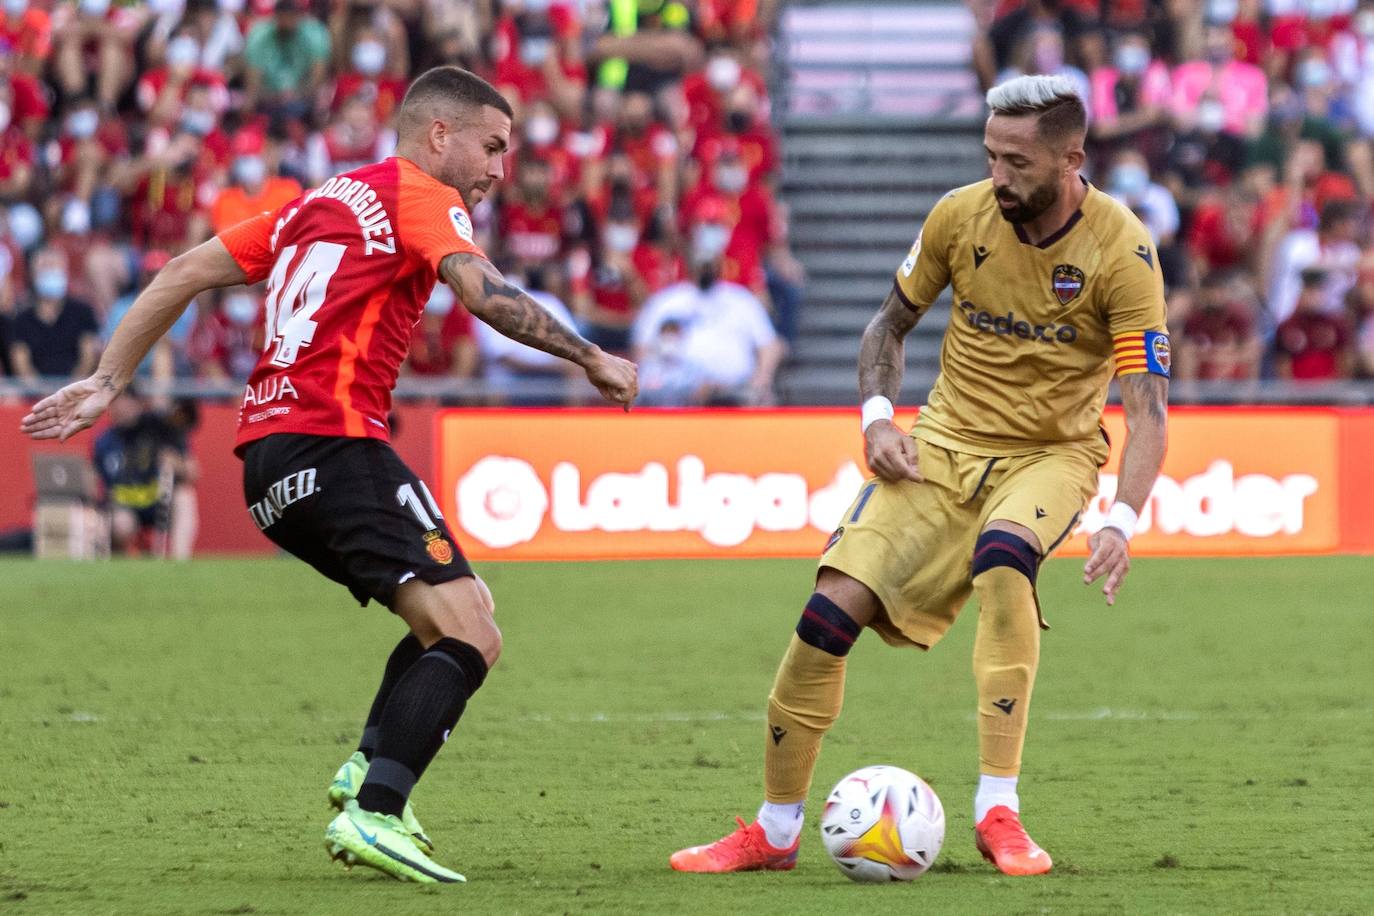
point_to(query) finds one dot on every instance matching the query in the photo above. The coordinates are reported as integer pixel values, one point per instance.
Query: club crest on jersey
(1067, 283)
(1157, 354)
(438, 548)
(461, 223)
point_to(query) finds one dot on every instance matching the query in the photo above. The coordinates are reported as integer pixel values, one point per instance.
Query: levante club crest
(1067, 283)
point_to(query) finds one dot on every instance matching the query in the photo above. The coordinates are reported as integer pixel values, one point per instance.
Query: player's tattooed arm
(510, 310)
(1145, 399)
(882, 353)
(890, 452)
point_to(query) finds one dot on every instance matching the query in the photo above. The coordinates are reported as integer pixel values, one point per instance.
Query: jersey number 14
(293, 301)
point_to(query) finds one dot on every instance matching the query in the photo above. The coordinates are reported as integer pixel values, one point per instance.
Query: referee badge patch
(438, 548)
(1067, 283)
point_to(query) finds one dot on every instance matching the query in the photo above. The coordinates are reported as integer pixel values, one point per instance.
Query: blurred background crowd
(1240, 132)
(639, 202)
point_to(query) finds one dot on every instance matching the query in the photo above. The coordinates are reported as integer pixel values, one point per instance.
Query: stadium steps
(880, 117)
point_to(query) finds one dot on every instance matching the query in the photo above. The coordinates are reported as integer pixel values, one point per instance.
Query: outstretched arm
(882, 357)
(508, 309)
(1145, 398)
(78, 405)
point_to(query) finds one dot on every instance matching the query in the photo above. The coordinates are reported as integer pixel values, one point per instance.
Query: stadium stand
(133, 131)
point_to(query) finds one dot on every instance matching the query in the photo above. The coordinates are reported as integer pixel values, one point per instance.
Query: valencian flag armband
(1141, 351)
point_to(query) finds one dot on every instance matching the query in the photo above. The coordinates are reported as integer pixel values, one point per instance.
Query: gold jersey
(1036, 328)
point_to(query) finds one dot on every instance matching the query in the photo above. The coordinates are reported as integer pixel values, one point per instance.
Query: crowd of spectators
(1242, 134)
(643, 164)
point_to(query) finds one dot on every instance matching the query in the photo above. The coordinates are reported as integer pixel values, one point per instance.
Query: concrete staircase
(880, 115)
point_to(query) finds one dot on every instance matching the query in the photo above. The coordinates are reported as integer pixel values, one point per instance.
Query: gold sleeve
(1136, 311)
(925, 272)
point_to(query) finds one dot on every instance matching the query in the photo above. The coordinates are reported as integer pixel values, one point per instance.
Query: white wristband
(877, 408)
(1123, 518)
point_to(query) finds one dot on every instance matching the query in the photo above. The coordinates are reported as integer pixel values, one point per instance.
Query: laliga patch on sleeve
(461, 224)
(910, 263)
(1157, 357)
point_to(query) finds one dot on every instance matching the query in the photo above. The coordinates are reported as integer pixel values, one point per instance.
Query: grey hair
(1026, 95)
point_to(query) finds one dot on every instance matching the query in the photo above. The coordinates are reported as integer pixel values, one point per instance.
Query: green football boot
(345, 787)
(382, 842)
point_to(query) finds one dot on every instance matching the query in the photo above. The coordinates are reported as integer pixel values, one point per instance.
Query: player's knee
(996, 548)
(825, 626)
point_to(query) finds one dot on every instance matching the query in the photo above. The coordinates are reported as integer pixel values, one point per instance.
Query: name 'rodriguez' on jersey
(349, 267)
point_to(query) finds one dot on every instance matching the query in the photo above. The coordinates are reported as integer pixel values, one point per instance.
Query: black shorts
(351, 509)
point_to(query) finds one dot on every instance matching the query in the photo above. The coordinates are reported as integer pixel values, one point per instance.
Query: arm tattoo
(508, 309)
(882, 354)
(1148, 394)
(106, 381)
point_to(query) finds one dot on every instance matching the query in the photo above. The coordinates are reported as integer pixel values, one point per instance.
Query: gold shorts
(912, 543)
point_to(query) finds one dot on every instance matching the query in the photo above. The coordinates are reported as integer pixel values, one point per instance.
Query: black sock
(406, 653)
(423, 708)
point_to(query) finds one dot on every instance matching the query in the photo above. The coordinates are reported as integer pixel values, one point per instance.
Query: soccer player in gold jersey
(1056, 288)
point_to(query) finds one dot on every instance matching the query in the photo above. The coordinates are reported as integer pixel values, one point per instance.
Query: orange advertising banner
(594, 484)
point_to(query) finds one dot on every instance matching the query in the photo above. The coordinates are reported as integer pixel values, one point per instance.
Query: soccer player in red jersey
(349, 266)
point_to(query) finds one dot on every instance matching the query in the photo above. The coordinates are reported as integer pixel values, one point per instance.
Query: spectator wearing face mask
(96, 38)
(1297, 25)
(162, 90)
(1130, 98)
(1220, 92)
(668, 376)
(606, 307)
(740, 128)
(1128, 180)
(225, 342)
(253, 188)
(567, 153)
(353, 138)
(1313, 344)
(747, 214)
(706, 91)
(56, 335)
(726, 331)
(285, 58)
(1359, 304)
(214, 25)
(87, 149)
(537, 53)
(444, 343)
(370, 77)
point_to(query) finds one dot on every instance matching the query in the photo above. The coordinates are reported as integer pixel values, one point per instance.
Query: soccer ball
(882, 823)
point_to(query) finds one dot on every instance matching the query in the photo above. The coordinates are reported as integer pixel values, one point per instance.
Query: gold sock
(1006, 652)
(805, 701)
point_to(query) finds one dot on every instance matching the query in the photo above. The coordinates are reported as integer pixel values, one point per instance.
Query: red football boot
(1004, 842)
(746, 849)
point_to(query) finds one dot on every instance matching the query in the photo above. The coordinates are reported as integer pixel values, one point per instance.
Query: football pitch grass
(167, 733)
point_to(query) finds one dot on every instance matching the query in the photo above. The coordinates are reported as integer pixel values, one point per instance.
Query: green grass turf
(167, 733)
